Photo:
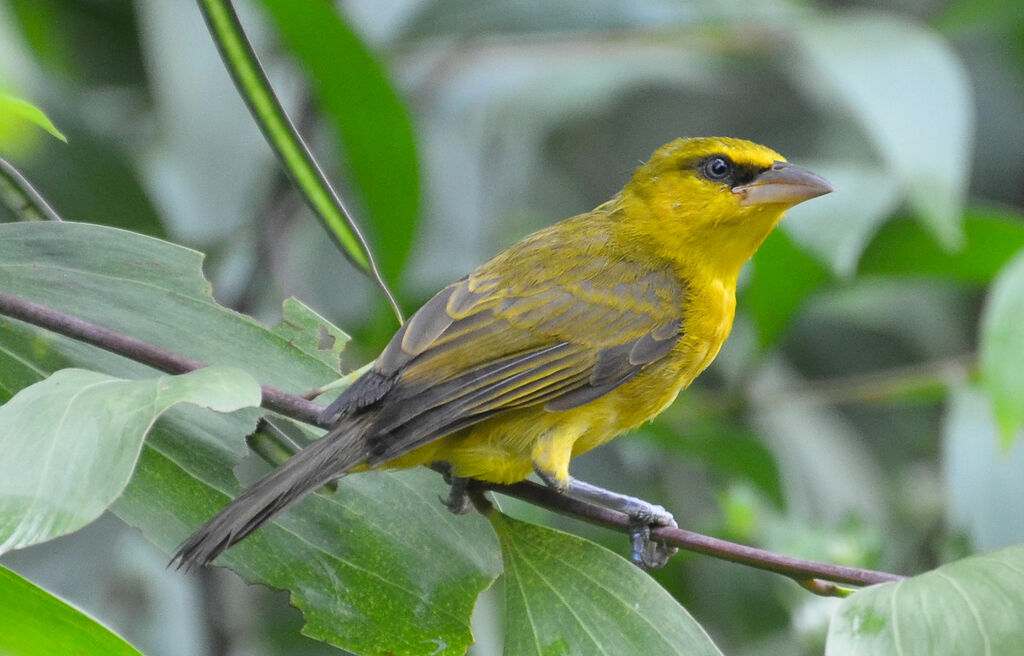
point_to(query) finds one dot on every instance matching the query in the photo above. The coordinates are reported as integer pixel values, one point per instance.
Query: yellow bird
(574, 335)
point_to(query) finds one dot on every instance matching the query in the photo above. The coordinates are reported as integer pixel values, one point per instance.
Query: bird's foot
(458, 499)
(643, 516)
(645, 552)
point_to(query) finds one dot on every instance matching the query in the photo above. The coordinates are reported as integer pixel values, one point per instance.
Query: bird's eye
(717, 168)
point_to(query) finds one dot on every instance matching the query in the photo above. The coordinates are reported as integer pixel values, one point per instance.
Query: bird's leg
(458, 500)
(642, 514)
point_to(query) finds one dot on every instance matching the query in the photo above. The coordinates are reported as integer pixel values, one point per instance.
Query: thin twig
(797, 569)
(296, 407)
(140, 351)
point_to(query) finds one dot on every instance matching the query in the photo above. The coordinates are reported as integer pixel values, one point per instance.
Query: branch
(804, 572)
(135, 349)
(807, 573)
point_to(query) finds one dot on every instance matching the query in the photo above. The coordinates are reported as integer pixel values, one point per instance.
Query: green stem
(244, 67)
(21, 197)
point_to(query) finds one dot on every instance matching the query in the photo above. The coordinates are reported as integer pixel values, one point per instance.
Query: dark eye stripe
(741, 173)
(746, 173)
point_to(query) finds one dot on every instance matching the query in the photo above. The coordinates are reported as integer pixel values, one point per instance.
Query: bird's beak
(783, 184)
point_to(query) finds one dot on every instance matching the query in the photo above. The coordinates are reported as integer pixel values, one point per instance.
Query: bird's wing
(488, 344)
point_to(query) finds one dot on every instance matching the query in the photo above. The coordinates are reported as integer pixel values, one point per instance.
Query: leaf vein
(564, 603)
(970, 605)
(526, 602)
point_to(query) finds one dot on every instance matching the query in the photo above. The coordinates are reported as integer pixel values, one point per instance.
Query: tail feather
(322, 461)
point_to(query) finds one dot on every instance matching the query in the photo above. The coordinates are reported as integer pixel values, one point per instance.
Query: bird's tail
(332, 455)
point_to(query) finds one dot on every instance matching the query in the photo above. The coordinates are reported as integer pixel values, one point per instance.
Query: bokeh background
(840, 421)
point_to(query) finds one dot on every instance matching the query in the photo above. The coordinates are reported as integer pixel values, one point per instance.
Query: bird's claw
(457, 504)
(458, 501)
(644, 552)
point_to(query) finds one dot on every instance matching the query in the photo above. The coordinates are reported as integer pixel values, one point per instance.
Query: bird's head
(715, 197)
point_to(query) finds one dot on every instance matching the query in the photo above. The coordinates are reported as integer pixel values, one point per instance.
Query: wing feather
(488, 344)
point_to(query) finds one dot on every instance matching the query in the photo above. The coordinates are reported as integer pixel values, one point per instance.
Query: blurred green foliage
(35, 621)
(375, 131)
(840, 422)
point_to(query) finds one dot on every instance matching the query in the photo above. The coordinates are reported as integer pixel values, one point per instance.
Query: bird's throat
(733, 248)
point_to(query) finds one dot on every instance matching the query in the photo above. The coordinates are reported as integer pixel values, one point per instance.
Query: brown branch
(800, 570)
(810, 574)
(140, 351)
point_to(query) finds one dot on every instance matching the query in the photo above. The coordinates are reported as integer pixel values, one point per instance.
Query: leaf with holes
(378, 567)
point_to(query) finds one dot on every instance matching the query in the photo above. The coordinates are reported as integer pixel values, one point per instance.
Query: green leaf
(982, 479)
(147, 288)
(921, 125)
(964, 16)
(305, 329)
(85, 431)
(1002, 348)
(45, 30)
(89, 46)
(901, 247)
(971, 606)
(13, 109)
(36, 623)
(375, 132)
(564, 595)
(379, 566)
(783, 276)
